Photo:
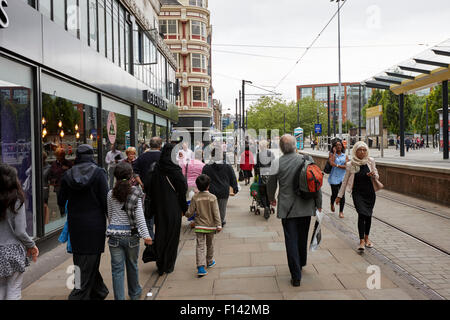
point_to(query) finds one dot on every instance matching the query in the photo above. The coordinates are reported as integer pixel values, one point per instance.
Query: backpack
(147, 202)
(308, 179)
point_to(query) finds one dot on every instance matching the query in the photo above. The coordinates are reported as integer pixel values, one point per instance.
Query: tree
(374, 100)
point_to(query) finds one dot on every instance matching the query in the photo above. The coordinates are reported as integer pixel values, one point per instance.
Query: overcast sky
(385, 32)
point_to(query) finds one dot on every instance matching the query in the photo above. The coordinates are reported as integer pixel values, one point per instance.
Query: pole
(298, 113)
(402, 124)
(243, 104)
(334, 116)
(339, 54)
(427, 122)
(359, 114)
(240, 110)
(329, 127)
(445, 117)
(284, 120)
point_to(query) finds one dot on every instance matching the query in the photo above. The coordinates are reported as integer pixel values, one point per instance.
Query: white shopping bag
(317, 233)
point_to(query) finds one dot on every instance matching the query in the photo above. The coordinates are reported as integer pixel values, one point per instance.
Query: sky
(375, 35)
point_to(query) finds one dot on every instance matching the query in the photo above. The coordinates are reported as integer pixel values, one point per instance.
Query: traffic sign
(318, 128)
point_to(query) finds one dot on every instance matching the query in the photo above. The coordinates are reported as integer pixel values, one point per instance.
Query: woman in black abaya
(168, 202)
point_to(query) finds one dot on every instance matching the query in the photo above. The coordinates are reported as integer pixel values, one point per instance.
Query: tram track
(418, 238)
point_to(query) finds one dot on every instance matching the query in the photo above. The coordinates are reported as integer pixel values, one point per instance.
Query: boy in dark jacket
(222, 178)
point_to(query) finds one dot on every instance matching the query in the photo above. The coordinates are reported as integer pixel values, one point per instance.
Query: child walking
(207, 223)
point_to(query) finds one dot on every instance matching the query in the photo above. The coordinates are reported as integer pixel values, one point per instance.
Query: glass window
(116, 30)
(127, 46)
(45, 7)
(199, 94)
(161, 128)
(109, 30)
(16, 142)
(123, 42)
(93, 23)
(30, 2)
(196, 28)
(163, 26)
(72, 17)
(305, 92)
(84, 22)
(172, 26)
(145, 129)
(321, 93)
(59, 12)
(116, 119)
(101, 27)
(197, 3)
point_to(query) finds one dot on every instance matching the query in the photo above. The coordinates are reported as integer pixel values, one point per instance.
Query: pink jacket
(347, 183)
(194, 169)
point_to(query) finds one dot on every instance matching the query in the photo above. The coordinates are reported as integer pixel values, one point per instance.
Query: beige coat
(207, 218)
(347, 183)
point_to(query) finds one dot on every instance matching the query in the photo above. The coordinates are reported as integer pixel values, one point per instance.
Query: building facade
(185, 25)
(217, 115)
(349, 97)
(75, 72)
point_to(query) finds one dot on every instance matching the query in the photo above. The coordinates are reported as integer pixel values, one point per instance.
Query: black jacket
(85, 188)
(222, 177)
(143, 162)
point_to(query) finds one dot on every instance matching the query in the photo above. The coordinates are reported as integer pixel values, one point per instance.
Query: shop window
(69, 119)
(116, 119)
(93, 24)
(161, 128)
(145, 129)
(16, 149)
(45, 7)
(59, 13)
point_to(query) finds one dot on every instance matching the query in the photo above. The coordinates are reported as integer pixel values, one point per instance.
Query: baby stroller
(259, 198)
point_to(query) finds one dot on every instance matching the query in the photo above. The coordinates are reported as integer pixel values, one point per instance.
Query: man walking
(113, 157)
(84, 188)
(295, 212)
(141, 167)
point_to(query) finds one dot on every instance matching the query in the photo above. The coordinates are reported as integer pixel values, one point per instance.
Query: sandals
(361, 247)
(341, 215)
(369, 245)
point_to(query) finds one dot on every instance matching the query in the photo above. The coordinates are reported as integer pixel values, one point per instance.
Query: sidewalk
(251, 264)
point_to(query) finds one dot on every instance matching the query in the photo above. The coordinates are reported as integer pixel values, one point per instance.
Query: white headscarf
(356, 162)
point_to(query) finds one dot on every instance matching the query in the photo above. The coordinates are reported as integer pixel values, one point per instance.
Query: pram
(259, 198)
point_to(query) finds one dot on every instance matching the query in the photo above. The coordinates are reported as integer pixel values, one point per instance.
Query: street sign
(374, 112)
(318, 128)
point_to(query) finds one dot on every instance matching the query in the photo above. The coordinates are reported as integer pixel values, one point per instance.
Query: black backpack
(147, 183)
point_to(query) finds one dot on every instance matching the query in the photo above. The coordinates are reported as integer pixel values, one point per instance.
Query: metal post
(298, 113)
(402, 124)
(328, 111)
(427, 122)
(334, 116)
(359, 114)
(445, 117)
(243, 104)
(240, 110)
(340, 85)
(284, 119)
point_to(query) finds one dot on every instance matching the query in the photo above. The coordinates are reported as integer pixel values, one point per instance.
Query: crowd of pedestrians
(146, 197)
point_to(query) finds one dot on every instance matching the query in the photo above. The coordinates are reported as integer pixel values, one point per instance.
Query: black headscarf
(165, 164)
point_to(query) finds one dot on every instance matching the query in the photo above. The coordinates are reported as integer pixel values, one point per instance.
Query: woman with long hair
(166, 186)
(359, 179)
(15, 243)
(126, 226)
(337, 159)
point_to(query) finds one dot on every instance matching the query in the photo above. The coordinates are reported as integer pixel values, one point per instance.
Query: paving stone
(233, 260)
(239, 248)
(245, 286)
(347, 255)
(324, 295)
(359, 281)
(283, 270)
(200, 287)
(310, 282)
(251, 296)
(248, 272)
(268, 258)
(190, 298)
(385, 294)
(190, 273)
(335, 268)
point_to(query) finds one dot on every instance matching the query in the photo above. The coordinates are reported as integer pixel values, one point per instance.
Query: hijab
(356, 162)
(166, 165)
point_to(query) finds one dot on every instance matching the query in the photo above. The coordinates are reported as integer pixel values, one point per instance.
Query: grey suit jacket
(283, 174)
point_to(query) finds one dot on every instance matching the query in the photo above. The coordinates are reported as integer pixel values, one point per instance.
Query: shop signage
(111, 127)
(155, 100)
(4, 20)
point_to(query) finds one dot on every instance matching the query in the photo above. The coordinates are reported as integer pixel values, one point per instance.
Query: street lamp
(339, 58)
(243, 103)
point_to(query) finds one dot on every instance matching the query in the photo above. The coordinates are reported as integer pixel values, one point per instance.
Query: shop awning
(422, 71)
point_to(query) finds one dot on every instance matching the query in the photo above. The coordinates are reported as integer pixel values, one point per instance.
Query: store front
(49, 107)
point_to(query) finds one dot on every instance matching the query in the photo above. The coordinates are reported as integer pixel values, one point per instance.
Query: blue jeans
(125, 251)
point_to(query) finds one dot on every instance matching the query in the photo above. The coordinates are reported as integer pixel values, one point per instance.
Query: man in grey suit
(295, 213)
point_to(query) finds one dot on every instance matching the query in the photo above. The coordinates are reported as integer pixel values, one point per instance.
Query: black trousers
(334, 193)
(296, 241)
(92, 285)
(364, 223)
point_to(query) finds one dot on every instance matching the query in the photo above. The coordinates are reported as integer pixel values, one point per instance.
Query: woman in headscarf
(168, 202)
(359, 180)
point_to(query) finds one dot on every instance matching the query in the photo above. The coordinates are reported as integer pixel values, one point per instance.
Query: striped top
(119, 224)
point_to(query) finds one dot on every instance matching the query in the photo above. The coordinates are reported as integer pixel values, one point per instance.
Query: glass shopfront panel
(145, 129)
(69, 119)
(16, 142)
(116, 118)
(161, 128)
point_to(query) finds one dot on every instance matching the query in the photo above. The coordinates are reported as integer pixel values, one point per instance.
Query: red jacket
(247, 161)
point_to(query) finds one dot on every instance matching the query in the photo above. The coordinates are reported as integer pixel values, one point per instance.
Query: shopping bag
(149, 253)
(317, 233)
(241, 175)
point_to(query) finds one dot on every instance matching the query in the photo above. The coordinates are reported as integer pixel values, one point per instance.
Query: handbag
(241, 175)
(327, 168)
(149, 253)
(377, 185)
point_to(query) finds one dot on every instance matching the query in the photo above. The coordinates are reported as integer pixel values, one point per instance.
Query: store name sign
(155, 100)
(4, 20)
